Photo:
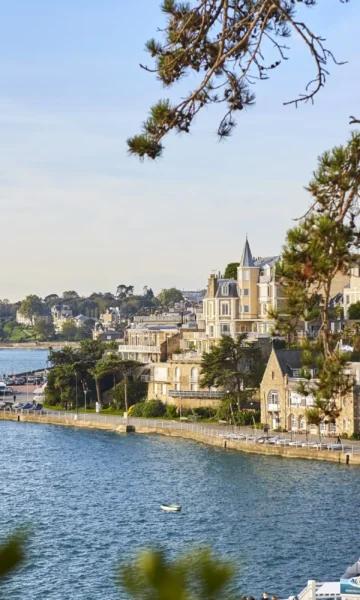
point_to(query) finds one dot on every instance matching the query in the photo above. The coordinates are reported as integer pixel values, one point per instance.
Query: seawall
(200, 433)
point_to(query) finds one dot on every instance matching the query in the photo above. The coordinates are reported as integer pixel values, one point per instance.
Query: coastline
(199, 433)
(36, 345)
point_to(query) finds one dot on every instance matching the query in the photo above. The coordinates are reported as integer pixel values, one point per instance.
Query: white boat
(171, 507)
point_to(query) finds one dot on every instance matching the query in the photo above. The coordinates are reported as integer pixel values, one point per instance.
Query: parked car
(335, 446)
(283, 441)
(28, 406)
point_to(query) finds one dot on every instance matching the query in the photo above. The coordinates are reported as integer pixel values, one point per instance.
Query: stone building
(149, 344)
(283, 407)
(242, 305)
(177, 382)
(352, 290)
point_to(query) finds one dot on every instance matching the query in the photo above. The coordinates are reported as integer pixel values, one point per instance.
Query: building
(31, 321)
(351, 292)
(110, 318)
(61, 313)
(283, 407)
(177, 382)
(151, 343)
(242, 305)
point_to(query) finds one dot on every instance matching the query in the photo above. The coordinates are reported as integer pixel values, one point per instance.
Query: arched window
(293, 422)
(273, 400)
(194, 375)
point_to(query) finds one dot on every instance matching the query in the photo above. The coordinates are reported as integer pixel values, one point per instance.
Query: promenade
(226, 437)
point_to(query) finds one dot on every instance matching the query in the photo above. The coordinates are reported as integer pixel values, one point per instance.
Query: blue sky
(78, 212)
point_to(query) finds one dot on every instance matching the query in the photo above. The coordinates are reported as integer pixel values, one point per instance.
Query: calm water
(15, 360)
(93, 498)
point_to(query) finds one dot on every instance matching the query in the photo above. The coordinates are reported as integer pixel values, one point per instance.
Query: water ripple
(92, 500)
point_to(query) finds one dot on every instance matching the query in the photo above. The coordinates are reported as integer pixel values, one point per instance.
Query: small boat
(171, 507)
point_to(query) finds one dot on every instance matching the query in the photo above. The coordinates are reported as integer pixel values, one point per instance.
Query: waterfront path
(226, 437)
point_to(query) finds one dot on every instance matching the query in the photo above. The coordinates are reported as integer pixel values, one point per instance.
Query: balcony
(133, 349)
(273, 407)
(187, 357)
(205, 394)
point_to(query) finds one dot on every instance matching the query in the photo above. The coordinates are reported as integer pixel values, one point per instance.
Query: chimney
(212, 285)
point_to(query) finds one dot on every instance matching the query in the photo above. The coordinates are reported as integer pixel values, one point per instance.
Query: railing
(246, 435)
(274, 407)
(187, 356)
(140, 349)
(196, 394)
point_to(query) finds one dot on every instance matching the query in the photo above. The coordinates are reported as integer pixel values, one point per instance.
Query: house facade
(242, 305)
(177, 382)
(150, 344)
(283, 407)
(352, 290)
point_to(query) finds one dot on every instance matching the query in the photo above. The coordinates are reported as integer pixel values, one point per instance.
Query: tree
(233, 365)
(124, 291)
(12, 554)
(61, 385)
(31, 306)
(196, 576)
(69, 330)
(112, 365)
(78, 365)
(228, 46)
(51, 299)
(324, 244)
(129, 392)
(354, 311)
(169, 297)
(70, 294)
(43, 330)
(231, 270)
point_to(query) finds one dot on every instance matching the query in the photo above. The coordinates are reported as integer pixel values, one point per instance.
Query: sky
(77, 212)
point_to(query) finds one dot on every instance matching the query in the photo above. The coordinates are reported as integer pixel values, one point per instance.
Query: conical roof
(246, 257)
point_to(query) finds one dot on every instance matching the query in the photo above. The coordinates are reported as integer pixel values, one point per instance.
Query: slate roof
(246, 257)
(266, 260)
(288, 360)
(233, 289)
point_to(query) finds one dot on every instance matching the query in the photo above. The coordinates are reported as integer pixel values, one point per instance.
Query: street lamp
(85, 394)
(76, 393)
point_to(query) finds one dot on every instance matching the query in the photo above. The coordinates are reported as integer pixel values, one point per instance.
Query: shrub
(171, 411)
(205, 412)
(137, 410)
(153, 409)
(136, 391)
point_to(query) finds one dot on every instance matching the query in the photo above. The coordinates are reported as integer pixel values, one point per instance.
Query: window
(293, 420)
(194, 375)
(164, 389)
(177, 374)
(246, 308)
(211, 331)
(225, 289)
(246, 292)
(302, 423)
(225, 308)
(225, 329)
(273, 398)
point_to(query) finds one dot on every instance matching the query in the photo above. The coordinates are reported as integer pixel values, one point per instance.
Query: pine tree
(323, 244)
(228, 46)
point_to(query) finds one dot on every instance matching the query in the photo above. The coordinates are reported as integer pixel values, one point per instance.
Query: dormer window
(225, 289)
